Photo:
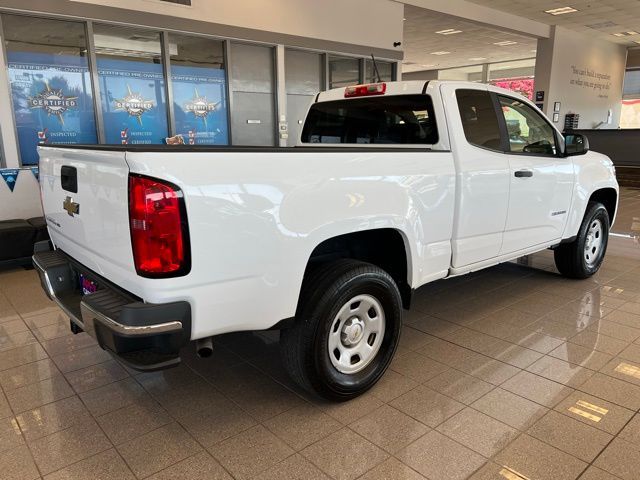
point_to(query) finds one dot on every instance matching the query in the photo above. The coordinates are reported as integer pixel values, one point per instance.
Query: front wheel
(346, 332)
(583, 257)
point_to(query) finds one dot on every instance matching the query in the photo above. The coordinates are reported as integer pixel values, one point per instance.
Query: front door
(541, 181)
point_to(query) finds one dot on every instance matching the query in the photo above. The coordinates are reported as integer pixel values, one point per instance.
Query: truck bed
(255, 215)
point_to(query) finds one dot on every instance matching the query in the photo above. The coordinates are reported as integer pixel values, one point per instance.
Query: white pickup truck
(393, 185)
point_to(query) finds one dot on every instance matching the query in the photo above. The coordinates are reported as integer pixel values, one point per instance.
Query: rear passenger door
(482, 178)
(541, 180)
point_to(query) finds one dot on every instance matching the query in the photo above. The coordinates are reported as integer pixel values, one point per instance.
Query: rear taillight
(365, 90)
(159, 232)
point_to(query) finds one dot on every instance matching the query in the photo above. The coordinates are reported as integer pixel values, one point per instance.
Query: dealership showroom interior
(337, 239)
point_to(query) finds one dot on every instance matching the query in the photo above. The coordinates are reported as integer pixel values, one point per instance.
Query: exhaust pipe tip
(204, 347)
(205, 352)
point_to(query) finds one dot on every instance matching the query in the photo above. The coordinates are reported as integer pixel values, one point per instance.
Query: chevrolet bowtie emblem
(71, 207)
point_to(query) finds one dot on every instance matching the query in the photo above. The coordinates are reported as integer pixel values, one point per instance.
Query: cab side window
(479, 118)
(527, 130)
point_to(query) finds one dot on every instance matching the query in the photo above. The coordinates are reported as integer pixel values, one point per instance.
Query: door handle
(524, 174)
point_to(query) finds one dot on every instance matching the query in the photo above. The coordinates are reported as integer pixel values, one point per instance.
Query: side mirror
(575, 144)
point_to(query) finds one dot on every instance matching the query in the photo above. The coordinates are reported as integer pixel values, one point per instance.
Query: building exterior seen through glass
(343, 71)
(517, 76)
(51, 91)
(199, 85)
(472, 73)
(385, 69)
(630, 116)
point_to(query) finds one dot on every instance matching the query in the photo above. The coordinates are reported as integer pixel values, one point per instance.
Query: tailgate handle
(524, 174)
(69, 179)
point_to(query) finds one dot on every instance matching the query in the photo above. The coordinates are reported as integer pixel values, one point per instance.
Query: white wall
(584, 74)
(374, 23)
(421, 75)
(24, 201)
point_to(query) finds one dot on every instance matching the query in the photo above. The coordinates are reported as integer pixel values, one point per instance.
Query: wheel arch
(386, 248)
(608, 196)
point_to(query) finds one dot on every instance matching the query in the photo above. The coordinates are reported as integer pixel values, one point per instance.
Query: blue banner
(133, 104)
(10, 176)
(52, 101)
(200, 105)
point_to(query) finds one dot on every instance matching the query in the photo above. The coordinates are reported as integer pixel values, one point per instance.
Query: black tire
(571, 258)
(304, 346)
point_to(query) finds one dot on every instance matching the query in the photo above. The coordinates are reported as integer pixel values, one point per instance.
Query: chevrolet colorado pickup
(393, 185)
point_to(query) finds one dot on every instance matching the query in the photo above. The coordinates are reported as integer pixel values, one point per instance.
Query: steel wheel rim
(594, 242)
(356, 334)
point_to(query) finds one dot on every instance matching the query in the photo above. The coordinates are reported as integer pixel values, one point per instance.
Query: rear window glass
(400, 119)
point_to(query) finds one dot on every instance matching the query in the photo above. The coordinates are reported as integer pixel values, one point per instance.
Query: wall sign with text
(52, 101)
(200, 105)
(133, 101)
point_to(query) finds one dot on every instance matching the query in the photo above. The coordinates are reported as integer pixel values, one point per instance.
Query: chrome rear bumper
(144, 336)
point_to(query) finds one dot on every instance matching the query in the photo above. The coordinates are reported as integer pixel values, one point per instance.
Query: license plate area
(86, 284)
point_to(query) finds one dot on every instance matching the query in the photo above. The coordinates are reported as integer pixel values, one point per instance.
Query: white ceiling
(466, 48)
(601, 18)
(594, 17)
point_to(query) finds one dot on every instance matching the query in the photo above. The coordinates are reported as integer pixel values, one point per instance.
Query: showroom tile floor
(511, 373)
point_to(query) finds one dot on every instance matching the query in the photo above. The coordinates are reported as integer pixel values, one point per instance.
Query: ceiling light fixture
(477, 59)
(449, 31)
(505, 43)
(560, 11)
(440, 53)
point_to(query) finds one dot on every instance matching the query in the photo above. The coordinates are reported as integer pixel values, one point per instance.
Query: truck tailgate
(85, 202)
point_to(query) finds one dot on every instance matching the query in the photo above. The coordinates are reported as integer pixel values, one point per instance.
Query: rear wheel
(346, 332)
(583, 257)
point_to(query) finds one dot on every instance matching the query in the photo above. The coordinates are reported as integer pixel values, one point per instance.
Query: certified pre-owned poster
(52, 101)
(133, 105)
(199, 98)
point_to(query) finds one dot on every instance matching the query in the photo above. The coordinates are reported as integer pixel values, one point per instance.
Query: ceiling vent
(601, 25)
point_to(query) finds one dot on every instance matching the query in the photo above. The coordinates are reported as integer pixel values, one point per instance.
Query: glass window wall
(517, 76)
(385, 69)
(632, 84)
(253, 85)
(52, 80)
(630, 112)
(199, 86)
(132, 86)
(51, 91)
(630, 115)
(303, 80)
(472, 73)
(343, 71)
